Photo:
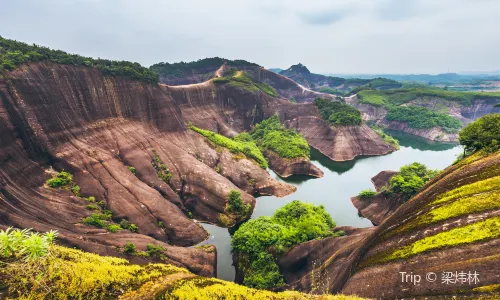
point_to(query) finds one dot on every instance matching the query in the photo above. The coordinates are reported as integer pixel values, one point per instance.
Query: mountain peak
(299, 68)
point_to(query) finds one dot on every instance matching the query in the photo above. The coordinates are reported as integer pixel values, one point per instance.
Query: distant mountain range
(445, 78)
(334, 84)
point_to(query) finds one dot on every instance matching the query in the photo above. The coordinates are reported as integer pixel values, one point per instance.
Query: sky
(331, 36)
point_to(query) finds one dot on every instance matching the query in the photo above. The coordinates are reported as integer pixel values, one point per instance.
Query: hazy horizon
(337, 37)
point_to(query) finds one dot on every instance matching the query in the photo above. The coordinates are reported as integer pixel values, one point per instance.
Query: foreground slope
(83, 275)
(451, 225)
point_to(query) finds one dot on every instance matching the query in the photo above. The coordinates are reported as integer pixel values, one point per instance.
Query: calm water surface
(342, 180)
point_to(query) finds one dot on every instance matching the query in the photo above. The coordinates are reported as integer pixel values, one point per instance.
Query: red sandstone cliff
(95, 126)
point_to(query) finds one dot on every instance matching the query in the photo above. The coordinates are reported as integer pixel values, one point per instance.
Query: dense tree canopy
(484, 133)
(411, 179)
(259, 242)
(14, 53)
(337, 113)
(423, 118)
(271, 134)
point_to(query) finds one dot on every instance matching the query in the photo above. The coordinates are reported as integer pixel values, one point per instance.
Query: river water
(342, 180)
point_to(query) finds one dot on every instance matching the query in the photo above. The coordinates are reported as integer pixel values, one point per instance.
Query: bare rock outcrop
(340, 143)
(287, 167)
(95, 127)
(380, 206)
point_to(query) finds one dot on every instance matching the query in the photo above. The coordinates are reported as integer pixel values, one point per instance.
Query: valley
(196, 167)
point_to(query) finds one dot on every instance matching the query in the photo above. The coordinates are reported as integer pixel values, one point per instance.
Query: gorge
(164, 166)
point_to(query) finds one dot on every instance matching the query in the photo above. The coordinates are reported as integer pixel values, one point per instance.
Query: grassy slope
(68, 273)
(247, 148)
(242, 80)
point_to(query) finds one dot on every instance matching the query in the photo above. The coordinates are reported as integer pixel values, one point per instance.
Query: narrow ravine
(342, 180)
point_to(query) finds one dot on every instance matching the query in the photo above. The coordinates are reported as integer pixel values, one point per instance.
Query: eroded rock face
(287, 167)
(340, 143)
(95, 127)
(380, 206)
(465, 114)
(321, 264)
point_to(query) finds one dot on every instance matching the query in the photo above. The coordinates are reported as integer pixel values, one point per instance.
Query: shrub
(259, 242)
(411, 179)
(162, 171)
(263, 273)
(155, 250)
(270, 134)
(387, 138)
(367, 194)
(76, 190)
(132, 170)
(92, 207)
(24, 244)
(236, 205)
(101, 220)
(113, 227)
(96, 220)
(484, 133)
(129, 248)
(129, 226)
(62, 179)
(337, 113)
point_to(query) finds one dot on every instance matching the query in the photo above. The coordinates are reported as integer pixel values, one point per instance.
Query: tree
(411, 179)
(484, 133)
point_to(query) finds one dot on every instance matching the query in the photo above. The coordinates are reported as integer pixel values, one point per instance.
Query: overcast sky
(331, 36)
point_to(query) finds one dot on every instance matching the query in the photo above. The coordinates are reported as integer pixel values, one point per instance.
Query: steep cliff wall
(95, 127)
(75, 119)
(380, 206)
(377, 115)
(465, 114)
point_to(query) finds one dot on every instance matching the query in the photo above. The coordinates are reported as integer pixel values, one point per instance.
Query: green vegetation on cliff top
(182, 69)
(240, 144)
(14, 53)
(417, 117)
(423, 118)
(287, 143)
(259, 242)
(405, 95)
(337, 113)
(241, 79)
